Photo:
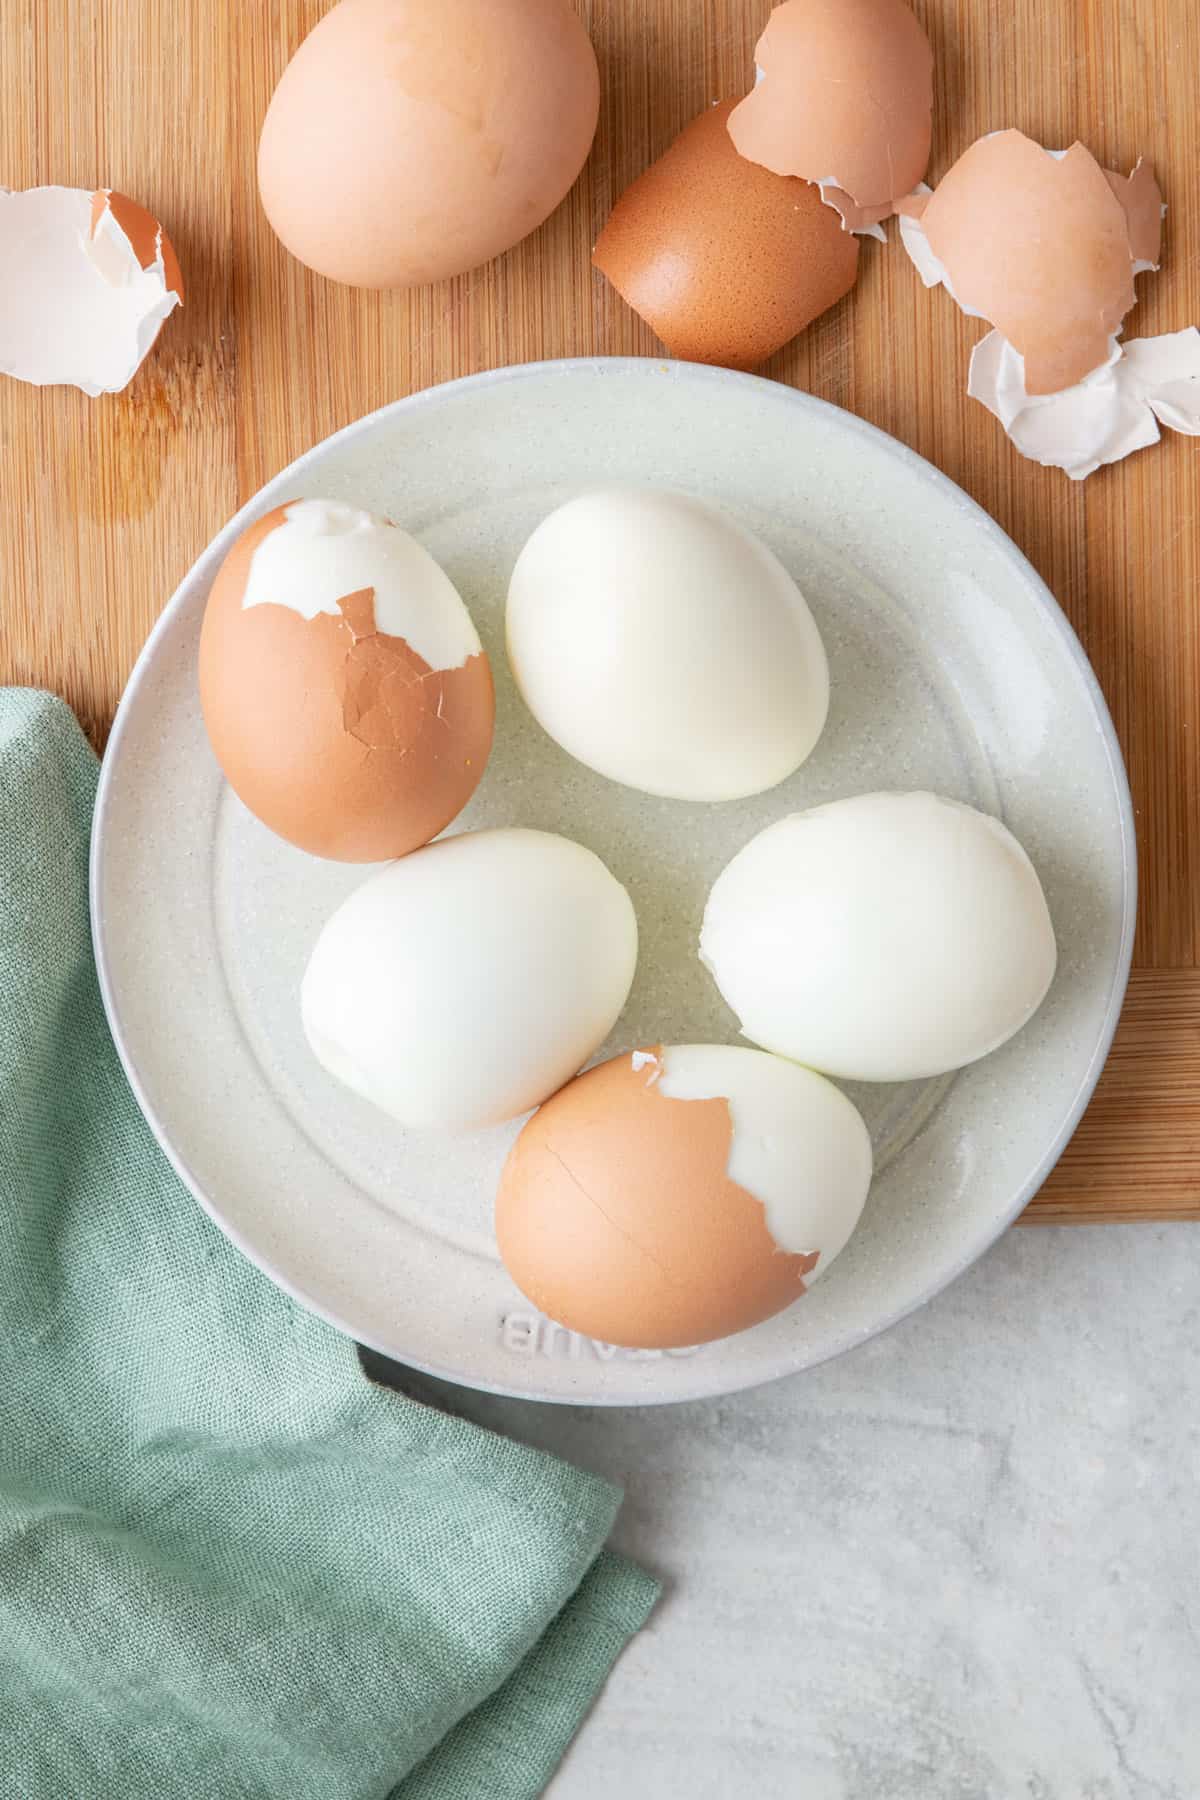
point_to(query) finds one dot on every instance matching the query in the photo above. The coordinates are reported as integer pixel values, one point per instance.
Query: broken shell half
(845, 100)
(724, 260)
(1043, 244)
(88, 279)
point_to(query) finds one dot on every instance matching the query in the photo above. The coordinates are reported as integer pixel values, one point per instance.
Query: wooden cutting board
(107, 502)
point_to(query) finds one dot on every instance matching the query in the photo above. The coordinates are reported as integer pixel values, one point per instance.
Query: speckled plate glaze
(952, 668)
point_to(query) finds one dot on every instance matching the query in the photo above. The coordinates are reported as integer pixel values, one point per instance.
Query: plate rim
(844, 420)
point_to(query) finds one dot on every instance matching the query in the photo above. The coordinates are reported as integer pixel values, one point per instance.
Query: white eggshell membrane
(76, 309)
(882, 938)
(1115, 410)
(799, 1145)
(928, 264)
(464, 984)
(831, 193)
(664, 646)
(325, 551)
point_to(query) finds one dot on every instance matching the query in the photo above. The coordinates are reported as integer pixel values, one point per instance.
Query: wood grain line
(1134, 1155)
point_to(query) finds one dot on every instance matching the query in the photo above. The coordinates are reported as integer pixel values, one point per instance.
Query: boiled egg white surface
(465, 983)
(663, 645)
(881, 938)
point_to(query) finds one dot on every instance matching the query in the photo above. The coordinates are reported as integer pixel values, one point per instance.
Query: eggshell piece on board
(411, 140)
(618, 1213)
(340, 735)
(1044, 246)
(723, 259)
(89, 278)
(845, 99)
(1115, 410)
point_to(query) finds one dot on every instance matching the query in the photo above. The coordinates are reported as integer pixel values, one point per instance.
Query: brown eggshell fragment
(846, 98)
(853, 216)
(1040, 246)
(337, 736)
(616, 1217)
(146, 236)
(724, 260)
(1142, 203)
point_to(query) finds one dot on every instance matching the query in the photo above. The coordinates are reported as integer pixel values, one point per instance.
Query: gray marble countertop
(962, 1563)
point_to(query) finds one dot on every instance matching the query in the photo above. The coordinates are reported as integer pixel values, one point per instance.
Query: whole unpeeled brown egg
(724, 259)
(410, 140)
(345, 690)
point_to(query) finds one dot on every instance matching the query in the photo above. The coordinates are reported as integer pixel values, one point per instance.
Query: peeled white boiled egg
(881, 938)
(663, 645)
(463, 984)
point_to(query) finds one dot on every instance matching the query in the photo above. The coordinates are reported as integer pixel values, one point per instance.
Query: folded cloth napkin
(230, 1568)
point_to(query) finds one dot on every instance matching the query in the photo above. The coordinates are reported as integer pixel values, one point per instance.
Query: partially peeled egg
(675, 1195)
(346, 693)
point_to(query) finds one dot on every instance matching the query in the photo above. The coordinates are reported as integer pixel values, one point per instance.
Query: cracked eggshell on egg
(887, 937)
(1042, 244)
(663, 645)
(723, 259)
(88, 279)
(346, 694)
(674, 1196)
(411, 140)
(462, 985)
(844, 99)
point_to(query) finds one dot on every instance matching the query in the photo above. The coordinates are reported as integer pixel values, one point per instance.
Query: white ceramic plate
(952, 668)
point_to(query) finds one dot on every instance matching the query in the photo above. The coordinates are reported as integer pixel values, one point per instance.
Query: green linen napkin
(230, 1568)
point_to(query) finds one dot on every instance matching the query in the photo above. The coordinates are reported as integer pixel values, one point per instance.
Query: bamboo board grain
(106, 503)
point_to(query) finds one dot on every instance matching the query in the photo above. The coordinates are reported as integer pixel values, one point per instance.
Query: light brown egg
(338, 734)
(725, 260)
(673, 1196)
(845, 99)
(410, 140)
(1043, 246)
